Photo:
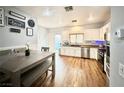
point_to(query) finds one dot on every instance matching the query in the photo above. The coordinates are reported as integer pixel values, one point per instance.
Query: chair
(5, 52)
(45, 49)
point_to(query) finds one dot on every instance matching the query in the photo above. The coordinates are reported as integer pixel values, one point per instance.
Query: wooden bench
(4, 76)
(29, 77)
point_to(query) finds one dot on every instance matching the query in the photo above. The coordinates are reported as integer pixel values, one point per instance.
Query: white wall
(42, 37)
(9, 39)
(117, 46)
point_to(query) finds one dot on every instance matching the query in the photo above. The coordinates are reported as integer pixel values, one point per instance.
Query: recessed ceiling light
(47, 12)
(91, 18)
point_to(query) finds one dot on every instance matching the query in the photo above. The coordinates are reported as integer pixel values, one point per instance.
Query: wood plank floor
(76, 72)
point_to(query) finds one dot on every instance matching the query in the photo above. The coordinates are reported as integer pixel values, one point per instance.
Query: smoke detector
(68, 8)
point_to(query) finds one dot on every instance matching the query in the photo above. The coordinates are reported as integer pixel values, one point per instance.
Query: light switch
(121, 70)
(120, 33)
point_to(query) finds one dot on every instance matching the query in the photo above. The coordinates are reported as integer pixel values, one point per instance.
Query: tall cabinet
(105, 30)
(105, 35)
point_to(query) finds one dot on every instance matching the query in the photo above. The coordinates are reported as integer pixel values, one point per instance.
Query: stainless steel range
(101, 52)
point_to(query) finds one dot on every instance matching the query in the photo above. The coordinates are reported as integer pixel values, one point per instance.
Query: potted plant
(27, 51)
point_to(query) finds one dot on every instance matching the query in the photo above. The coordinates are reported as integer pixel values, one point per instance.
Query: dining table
(17, 64)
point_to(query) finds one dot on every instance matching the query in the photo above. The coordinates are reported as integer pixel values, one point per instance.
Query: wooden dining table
(17, 64)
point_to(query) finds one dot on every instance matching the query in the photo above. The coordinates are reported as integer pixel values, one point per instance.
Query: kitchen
(85, 45)
(84, 35)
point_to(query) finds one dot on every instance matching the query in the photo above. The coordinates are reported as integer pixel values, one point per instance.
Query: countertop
(83, 46)
(90, 46)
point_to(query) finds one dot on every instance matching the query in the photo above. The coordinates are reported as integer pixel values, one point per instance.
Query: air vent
(74, 21)
(68, 8)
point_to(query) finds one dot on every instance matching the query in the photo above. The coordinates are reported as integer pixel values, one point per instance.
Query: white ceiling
(58, 17)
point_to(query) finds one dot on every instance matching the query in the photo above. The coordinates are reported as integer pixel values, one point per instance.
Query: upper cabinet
(109, 31)
(105, 32)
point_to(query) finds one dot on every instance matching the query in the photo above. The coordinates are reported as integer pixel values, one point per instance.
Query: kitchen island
(83, 51)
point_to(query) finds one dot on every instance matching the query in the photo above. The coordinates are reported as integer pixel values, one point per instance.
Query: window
(76, 38)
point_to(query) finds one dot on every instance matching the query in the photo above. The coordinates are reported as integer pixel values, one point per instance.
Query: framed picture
(17, 15)
(1, 17)
(15, 22)
(29, 32)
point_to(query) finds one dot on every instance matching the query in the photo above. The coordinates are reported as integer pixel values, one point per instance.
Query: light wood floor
(76, 72)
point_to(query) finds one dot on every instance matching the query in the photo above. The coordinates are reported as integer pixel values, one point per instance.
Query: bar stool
(45, 49)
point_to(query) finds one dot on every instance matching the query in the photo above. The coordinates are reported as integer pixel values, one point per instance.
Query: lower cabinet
(93, 53)
(77, 52)
(71, 51)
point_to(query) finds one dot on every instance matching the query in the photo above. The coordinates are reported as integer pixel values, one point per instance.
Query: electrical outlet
(121, 70)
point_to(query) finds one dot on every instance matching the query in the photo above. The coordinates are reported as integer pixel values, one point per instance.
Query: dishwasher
(85, 52)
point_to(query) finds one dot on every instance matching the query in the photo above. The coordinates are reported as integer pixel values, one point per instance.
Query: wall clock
(31, 23)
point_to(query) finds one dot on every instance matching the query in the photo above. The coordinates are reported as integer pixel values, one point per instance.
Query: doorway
(57, 42)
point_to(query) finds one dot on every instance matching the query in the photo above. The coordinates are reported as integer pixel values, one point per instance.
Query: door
(57, 41)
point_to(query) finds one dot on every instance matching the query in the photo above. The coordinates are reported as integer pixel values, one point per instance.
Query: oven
(108, 60)
(100, 55)
(108, 50)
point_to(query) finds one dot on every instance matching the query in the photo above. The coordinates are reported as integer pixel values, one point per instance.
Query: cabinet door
(105, 29)
(108, 36)
(62, 51)
(101, 34)
(109, 30)
(67, 51)
(93, 53)
(70, 51)
(77, 52)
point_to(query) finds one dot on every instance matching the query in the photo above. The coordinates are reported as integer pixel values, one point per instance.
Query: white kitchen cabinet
(93, 53)
(109, 30)
(101, 34)
(71, 51)
(62, 51)
(77, 52)
(105, 29)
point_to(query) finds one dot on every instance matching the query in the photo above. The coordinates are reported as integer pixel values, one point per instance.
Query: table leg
(15, 79)
(53, 66)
